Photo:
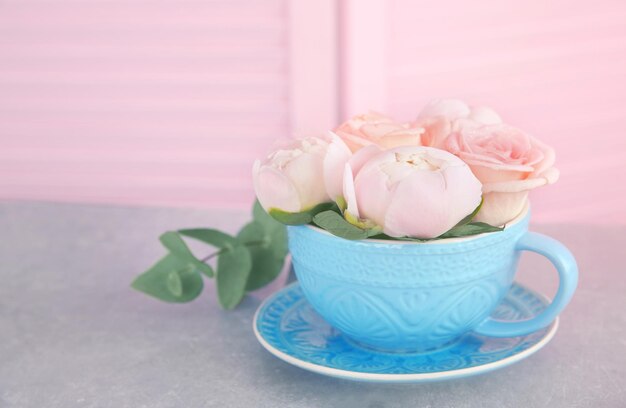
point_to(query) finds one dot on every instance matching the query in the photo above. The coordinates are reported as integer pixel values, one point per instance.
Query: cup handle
(565, 264)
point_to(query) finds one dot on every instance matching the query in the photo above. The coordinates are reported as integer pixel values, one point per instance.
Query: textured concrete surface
(73, 334)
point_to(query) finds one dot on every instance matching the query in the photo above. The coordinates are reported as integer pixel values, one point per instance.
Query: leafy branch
(245, 262)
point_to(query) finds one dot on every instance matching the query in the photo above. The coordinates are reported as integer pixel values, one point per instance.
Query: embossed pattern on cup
(405, 296)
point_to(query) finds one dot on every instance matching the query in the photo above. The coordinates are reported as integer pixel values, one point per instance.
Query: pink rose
(508, 162)
(441, 117)
(376, 129)
(409, 191)
(301, 174)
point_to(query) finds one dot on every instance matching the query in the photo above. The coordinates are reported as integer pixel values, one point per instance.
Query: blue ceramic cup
(407, 296)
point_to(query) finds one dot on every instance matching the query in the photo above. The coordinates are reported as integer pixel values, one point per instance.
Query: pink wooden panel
(140, 102)
(554, 68)
(363, 66)
(313, 68)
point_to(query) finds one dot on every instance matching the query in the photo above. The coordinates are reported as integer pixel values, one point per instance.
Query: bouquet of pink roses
(455, 171)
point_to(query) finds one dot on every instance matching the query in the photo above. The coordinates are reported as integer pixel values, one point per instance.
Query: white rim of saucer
(403, 378)
(443, 241)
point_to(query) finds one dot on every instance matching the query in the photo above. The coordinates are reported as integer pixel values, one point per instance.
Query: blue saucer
(287, 326)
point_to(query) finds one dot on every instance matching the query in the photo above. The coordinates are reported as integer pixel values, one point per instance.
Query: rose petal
(403, 137)
(372, 193)
(428, 203)
(500, 208)
(484, 115)
(274, 189)
(514, 186)
(551, 175)
(549, 156)
(436, 130)
(376, 131)
(337, 155)
(361, 157)
(426, 220)
(353, 140)
(304, 172)
(449, 108)
(348, 191)
(495, 174)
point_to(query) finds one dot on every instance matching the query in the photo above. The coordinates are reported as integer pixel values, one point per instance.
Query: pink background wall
(168, 102)
(554, 68)
(142, 102)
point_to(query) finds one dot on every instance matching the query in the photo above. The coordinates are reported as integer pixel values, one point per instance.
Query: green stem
(209, 256)
(214, 254)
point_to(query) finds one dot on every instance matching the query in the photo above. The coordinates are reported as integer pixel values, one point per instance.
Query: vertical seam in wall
(363, 50)
(289, 68)
(313, 71)
(341, 59)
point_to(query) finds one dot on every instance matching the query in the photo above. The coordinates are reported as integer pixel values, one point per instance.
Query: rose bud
(296, 177)
(411, 191)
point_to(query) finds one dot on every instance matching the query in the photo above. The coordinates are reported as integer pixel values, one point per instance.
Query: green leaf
(259, 214)
(372, 232)
(279, 242)
(233, 269)
(383, 236)
(411, 239)
(254, 233)
(276, 231)
(205, 269)
(472, 228)
(337, 225)
(287, 218)
(156, 281)
(175, 244)
(471, 216)
(210, 236)
(300, 218)
(266, 266)
(174, 283)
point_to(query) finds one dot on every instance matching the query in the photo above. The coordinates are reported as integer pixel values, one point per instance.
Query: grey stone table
(73, 334)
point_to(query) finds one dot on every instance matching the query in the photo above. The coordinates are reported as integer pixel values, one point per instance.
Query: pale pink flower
(376, 129)
(410, 191)
(508, 162)
(337, 155)
(301, 173)
(441, 117)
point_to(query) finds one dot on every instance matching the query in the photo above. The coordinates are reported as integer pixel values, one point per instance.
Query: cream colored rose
(301, 174)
